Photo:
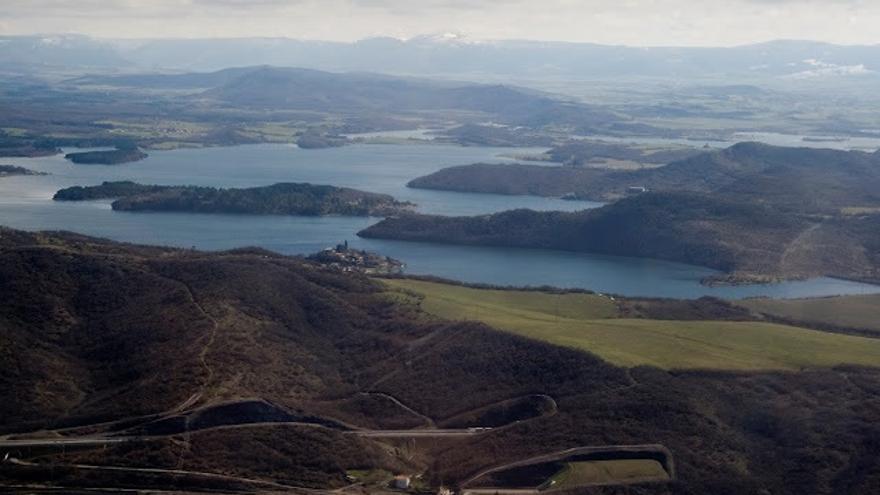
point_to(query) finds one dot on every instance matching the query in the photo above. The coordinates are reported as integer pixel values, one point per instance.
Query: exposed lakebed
(25, 202)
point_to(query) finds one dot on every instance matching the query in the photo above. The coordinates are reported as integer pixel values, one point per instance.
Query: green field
(845, 311)
(588, 322)
(586, 473)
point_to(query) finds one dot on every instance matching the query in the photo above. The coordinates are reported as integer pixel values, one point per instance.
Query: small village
(346, 259)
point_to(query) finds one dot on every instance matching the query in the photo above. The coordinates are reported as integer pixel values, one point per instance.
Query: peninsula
(10, 170)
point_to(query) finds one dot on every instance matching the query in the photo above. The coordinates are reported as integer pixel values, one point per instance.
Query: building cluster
(347, 259)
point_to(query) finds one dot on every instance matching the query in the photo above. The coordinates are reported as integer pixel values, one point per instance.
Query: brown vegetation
(97, 331)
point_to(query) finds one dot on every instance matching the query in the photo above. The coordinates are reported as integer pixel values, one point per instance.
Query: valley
(235, 262)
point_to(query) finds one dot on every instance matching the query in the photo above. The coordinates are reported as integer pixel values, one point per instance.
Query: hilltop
(262, 370)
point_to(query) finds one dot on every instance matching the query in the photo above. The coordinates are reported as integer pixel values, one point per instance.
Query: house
(401, 482)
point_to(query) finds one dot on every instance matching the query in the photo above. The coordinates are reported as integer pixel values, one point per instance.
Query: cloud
(632, 22)
(824, 70)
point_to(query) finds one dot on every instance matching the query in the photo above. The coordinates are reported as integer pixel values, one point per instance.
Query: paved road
(505, 491)
(46, 442)
(428, 432)
(256, 483)
(100, 441)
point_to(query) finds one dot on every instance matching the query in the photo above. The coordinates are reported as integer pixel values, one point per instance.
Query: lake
(25, 203)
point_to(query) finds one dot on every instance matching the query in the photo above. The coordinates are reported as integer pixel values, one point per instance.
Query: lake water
(25, 203)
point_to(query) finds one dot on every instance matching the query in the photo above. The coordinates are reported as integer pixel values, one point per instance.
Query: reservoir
(25, 203)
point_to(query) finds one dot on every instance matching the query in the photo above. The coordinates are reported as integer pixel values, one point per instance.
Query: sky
(627, 22)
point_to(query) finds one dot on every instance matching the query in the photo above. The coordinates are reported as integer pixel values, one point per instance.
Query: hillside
(793, 178)
(594, 153)
(852, 312)
(750, 240)
(515, 179)
(683, 340)
(277, 199)
(256, 372)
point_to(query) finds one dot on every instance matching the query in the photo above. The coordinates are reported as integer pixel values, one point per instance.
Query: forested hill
(107, 157)
(277, 199)
(750, 239)
(105, 338)
(794, 178)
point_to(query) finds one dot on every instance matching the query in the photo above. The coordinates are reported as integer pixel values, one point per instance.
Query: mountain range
(438, 56)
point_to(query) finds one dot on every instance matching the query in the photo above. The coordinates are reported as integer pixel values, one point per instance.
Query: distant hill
(10, 170)
(428, 55)
(586, 152)
(34, 53)
(751, 240)
(106, 157)
(277, 199)
(304, 89)
(184, 80)
(287, 88)
(804, 179)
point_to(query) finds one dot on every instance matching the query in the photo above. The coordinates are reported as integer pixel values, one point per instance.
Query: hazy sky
(631, 22)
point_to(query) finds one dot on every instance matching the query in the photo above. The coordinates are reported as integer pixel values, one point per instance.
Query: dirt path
(798, 243)
(428, 421)
(194, 399)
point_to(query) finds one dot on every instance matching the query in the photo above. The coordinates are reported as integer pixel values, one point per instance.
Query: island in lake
(106, 157)
(10, 170)
(277, 199)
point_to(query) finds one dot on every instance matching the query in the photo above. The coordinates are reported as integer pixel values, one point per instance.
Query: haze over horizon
(628, 22)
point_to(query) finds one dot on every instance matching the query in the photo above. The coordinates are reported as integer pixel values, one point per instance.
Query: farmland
(586, 473)
(860, 312)
(589, 322)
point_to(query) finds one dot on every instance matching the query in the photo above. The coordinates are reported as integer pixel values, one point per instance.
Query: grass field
(846, 311)
(589, 323)
(586, 473)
